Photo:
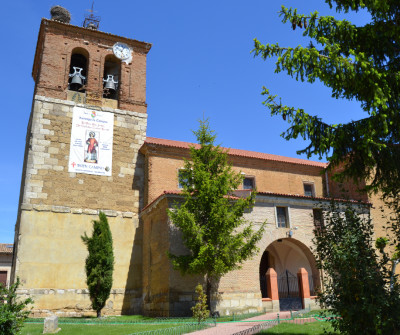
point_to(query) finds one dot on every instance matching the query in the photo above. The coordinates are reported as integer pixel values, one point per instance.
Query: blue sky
(200, 64)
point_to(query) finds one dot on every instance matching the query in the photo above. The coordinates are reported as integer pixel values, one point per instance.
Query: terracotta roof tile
(6, 248)
(241, 193)
(237, 152)
(312, 198)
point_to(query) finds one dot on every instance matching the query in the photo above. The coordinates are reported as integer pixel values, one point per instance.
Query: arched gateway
(286, 256)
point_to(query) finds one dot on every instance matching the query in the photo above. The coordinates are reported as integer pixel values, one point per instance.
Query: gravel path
(235, 327)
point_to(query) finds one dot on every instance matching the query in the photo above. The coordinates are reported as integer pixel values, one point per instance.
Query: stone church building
(87, 150)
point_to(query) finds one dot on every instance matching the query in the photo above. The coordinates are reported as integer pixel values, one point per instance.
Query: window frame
(287, 217)
(311, 184)
(253, 178)
(180, 187)
(179, 183)
(321, 224)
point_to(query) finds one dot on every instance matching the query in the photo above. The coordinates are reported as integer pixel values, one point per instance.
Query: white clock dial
(122, 51)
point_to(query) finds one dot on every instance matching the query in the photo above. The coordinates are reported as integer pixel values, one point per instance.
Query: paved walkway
(235, 327)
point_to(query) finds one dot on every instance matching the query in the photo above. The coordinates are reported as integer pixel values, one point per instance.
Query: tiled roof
(312, 198)
(237, 152)
(159, 198)
(6, 248)
(172, 193)
(240, 193)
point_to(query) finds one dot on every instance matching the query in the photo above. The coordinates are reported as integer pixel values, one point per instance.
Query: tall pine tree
(99, 263)
(217, 236)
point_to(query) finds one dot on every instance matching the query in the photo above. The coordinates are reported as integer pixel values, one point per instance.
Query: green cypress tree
(99, 263)
(214, 231)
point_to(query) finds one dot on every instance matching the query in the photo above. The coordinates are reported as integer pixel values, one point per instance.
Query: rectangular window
(181, 180)
(248, 183)
(282, 217)
(309, 190)
(318, 218)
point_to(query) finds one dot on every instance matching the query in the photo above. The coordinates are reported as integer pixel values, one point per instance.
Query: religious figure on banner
(91, 151)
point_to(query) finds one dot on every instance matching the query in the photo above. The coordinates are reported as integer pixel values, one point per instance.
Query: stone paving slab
(235, 327)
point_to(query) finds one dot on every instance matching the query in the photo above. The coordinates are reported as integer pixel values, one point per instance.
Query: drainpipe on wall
(327, 183)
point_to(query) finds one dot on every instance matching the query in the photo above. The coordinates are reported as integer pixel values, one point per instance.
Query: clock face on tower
(122, 51)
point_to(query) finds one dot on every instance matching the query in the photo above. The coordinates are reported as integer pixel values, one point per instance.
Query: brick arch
(292, 253)
(80, 57)
(81, 50)
(112, 66)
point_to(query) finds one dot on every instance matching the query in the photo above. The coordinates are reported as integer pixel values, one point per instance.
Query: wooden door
(3, 277)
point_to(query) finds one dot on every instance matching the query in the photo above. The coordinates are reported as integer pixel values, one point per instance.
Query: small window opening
(282, 217)
(309, 190)
(181, 179)
(77, 73)
(318, 218)
(112, 70)
(248, 183)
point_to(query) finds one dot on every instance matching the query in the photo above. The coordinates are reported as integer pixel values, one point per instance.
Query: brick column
(304, 287)
(271, 304)
(272, 284)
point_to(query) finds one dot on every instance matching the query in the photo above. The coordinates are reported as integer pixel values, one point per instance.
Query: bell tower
(88, 121)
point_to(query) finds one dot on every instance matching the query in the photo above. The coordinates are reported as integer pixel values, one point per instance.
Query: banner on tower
(91, 142)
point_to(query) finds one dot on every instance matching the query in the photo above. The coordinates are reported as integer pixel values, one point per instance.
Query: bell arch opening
(78, 70)
(111, 77)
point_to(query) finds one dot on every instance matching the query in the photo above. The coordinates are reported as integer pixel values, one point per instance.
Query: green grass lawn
(118, 325)
(312, 328)
(36, 329)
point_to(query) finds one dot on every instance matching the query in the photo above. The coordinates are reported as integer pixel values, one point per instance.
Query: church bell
(110, 83)
(77, 78)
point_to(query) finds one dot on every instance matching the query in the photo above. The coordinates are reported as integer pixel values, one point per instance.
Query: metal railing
(183, 329)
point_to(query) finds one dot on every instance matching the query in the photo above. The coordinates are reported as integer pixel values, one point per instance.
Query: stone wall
(57, 207)
(47, 177)
(51, 261)
(171, 294)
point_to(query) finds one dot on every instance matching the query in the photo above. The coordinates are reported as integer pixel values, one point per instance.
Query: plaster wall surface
(51, 261)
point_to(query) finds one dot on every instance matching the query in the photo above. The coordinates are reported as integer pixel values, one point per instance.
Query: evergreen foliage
(210, 219)
(99, 264)
(200, 311)
(357, 63)
(13, 310)
(358, 281)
